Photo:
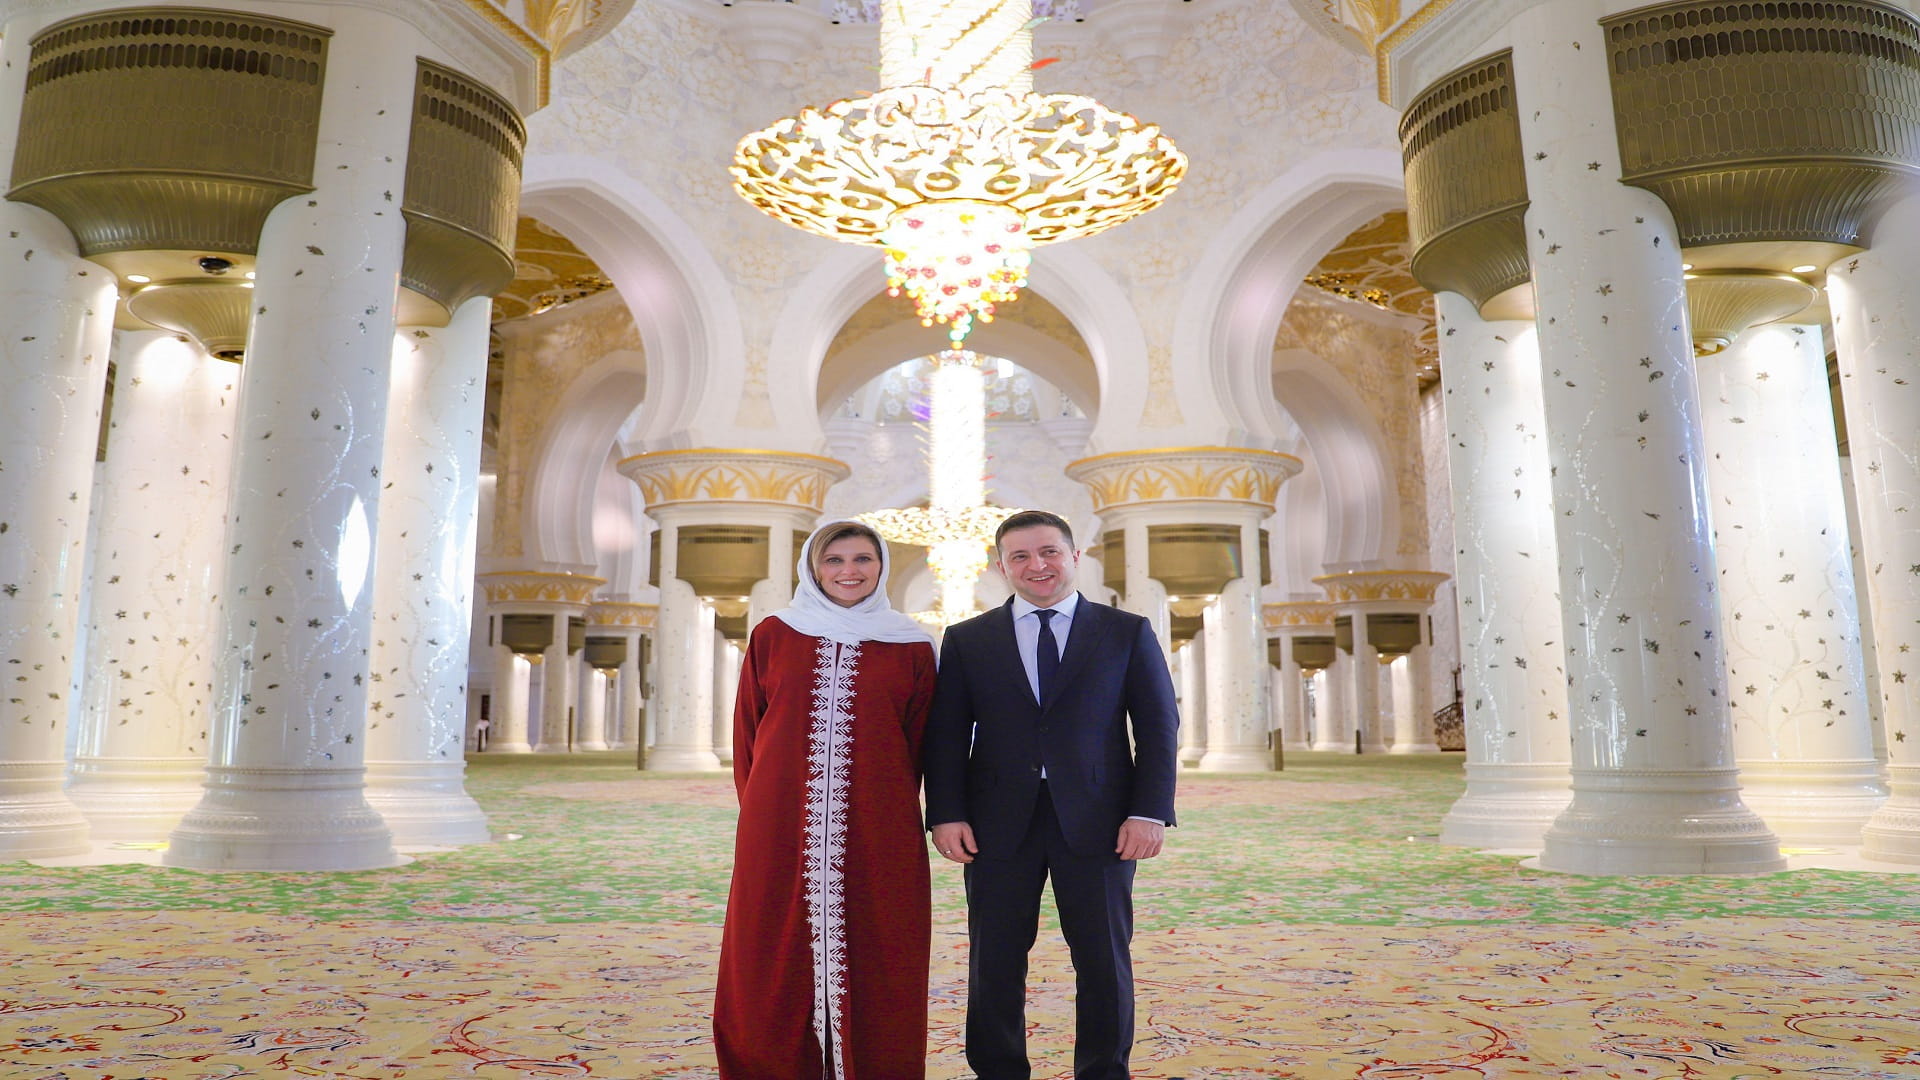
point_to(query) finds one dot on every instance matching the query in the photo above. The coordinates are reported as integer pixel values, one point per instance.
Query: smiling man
(1031, 776)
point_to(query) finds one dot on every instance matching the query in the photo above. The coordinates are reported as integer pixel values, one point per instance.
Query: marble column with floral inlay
(1288, 622)
(53, 360)
(424, 582)
(1875, 297)
(1655, 787)
(1379, 604)
(1802, 729)
(1189, 661)
(1507, 583)
(142, 752)
(512, 682)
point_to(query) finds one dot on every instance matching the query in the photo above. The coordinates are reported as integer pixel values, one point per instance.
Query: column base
(1236, 759)
(508, 748)
(682, 759)
(589, 746)
(1893, 833)
(425, 804)
(1814, 802)
(1645, 821)
(135, 800)
(1330, 746)
(1414, 748)
(1506, 807)
(549, 748)
(282, 819)
(37, 820)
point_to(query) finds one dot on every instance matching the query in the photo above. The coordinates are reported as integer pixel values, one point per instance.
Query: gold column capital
(1305, 614)
(1399, 588)
(626, 616)
(1240, 476)
(719, 475)
(535, 587)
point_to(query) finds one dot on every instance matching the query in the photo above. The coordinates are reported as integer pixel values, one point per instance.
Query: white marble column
(1361, 694)
(1655, 789)
(682, 712)
(285, 781)
(142, 751)
(1236, 689)
(557, 708)
(726, 682)
(1876, 325)
(1412, 719)
(1191, 669)
(1802, 728)
(1291, 722)
(424, 581)
(1331, 730)
(53, 363)
(512, 679)
(593, 711)
(1144, 596)
(1507, 579)
(632, 732)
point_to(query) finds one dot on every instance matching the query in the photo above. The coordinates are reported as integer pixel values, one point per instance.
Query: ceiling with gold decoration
(548, 272)
(1372, 266)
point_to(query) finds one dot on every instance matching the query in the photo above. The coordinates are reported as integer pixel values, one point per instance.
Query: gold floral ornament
(956, 168)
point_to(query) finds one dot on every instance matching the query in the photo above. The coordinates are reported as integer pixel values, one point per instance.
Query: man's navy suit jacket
(987, 739)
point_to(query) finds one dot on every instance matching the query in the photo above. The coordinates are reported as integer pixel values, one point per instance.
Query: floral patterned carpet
(1304, 925)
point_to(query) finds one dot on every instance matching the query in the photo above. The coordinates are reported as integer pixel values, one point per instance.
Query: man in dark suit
(1030, 776)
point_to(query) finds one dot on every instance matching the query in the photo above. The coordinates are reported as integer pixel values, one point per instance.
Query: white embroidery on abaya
(829, 763)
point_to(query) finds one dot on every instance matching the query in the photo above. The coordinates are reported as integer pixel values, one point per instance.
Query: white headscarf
(872, 619)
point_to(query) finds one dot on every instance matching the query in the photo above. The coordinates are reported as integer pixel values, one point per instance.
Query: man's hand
(1138, 839)
(955, 841)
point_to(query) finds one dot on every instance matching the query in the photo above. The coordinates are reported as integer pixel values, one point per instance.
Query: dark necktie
(1046, 659)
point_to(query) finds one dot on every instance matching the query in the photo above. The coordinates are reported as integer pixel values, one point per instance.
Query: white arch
(1085, 293)
(1231, 312)
(556, 508)
(682, 304)
(1241, 287)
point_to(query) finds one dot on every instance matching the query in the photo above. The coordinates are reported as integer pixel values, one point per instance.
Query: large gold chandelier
(956, 525)
(955, 166)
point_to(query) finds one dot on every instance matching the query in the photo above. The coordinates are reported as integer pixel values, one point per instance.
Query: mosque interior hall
(1506, 413)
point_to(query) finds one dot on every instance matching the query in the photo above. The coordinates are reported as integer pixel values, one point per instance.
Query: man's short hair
(1027, 519)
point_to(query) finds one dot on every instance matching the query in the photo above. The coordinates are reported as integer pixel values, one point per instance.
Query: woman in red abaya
(823, 963)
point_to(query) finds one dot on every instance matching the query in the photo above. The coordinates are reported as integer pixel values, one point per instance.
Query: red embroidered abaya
(823, 963)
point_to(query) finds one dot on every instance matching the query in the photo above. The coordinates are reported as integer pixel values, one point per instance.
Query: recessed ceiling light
(138, 279)
(246, 284)
(1805, 269)
(1686, 266)
(249, 275)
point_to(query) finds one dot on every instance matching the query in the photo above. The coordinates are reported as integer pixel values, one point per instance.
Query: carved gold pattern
(463, 188)
(1208, 473)
(1372, 586)
(1307, 613)
(1374, 266)
(548, 272)
(521, 586)
(542, 54)
(1768, 122)
(667, 477)
(615, 613)
(150, 129)
(1466, 182)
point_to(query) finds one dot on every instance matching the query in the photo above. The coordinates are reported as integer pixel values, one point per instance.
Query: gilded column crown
(609, 613)
(1207, 474)
(533, 587)
(669, 477)
(1306, 614)
(1398, 587)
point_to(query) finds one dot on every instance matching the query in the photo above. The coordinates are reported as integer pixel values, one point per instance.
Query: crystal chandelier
(955, 166)
(956, 526)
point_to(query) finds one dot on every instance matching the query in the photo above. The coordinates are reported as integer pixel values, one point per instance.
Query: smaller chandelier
(957, 526)
(955, 166)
